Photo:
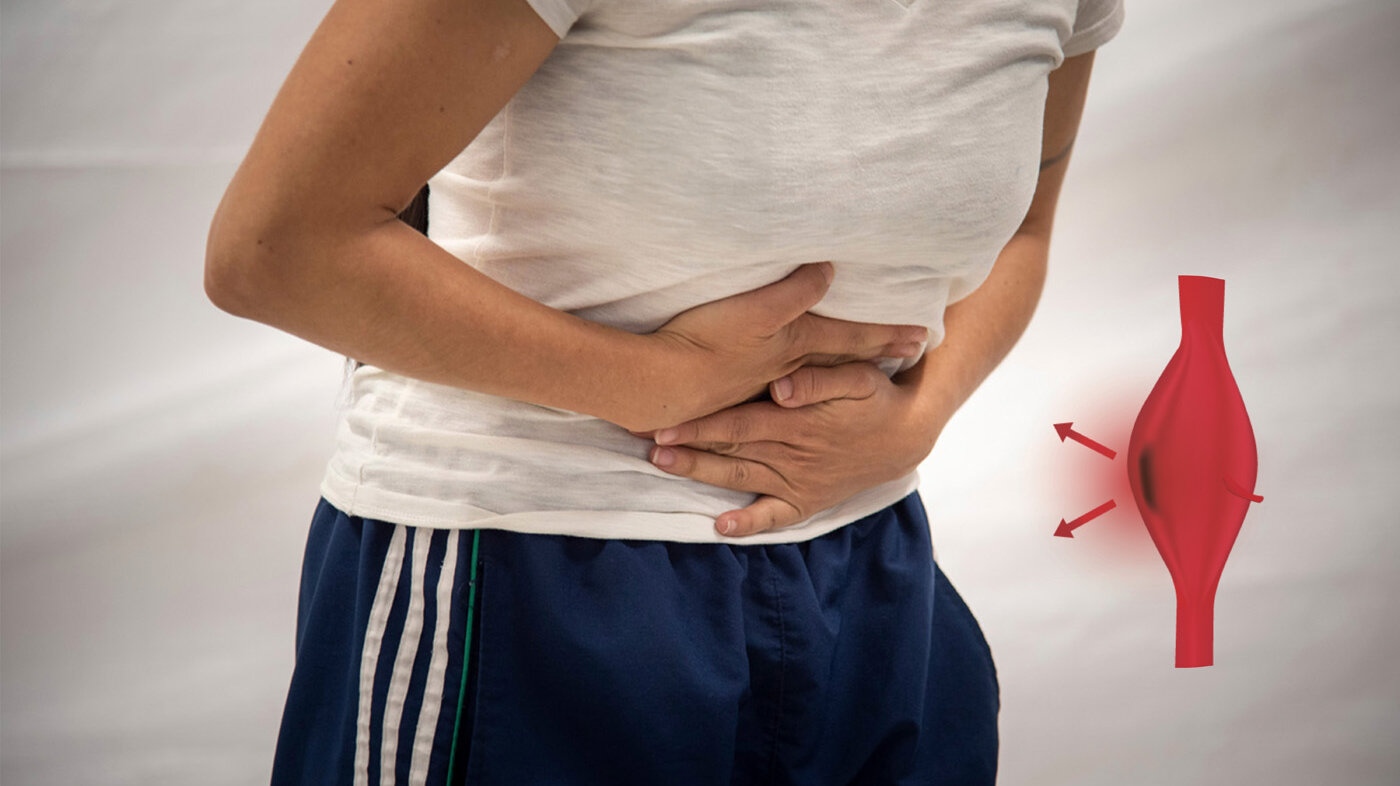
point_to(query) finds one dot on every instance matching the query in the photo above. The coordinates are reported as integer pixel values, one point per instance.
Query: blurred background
(160, 459)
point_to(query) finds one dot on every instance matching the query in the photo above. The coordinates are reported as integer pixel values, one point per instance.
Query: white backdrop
(160, 458)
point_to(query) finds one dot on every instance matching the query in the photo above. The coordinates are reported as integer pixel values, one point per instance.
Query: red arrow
(1065, 430)
(1067, 530)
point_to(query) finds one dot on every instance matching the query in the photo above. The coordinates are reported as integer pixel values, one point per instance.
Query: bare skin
(847, 428)
(306, 238)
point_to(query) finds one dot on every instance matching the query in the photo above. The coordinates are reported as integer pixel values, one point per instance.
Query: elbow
(236, 258)
(227, 283)
(259, 260)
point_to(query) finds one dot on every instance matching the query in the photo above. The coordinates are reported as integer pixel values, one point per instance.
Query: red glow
(1086, 479)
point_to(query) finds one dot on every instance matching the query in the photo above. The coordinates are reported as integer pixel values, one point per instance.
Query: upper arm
(382, 97)
(1064, 105)
(1095, 22)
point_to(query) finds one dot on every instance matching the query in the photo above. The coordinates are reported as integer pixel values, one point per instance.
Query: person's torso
(667, 154)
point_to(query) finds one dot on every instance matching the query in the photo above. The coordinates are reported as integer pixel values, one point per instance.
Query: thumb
(789, 297)
(814, 384)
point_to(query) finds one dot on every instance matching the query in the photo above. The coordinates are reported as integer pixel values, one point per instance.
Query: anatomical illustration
(1191, 464)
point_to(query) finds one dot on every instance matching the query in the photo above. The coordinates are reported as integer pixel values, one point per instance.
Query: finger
(813, 384)
(818, 336)
(728, 472)
(764, 514)
(787, 298)
(759, 420)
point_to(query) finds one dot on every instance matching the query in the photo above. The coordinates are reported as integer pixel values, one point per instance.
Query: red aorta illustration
(1192, 464)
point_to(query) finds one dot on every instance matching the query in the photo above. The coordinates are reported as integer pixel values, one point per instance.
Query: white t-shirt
(672, 152)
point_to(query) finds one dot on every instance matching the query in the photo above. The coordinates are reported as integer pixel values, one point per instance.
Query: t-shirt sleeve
(560, 15)
(1095, 23)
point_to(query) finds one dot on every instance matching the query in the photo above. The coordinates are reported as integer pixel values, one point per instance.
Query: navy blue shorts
(844, 659)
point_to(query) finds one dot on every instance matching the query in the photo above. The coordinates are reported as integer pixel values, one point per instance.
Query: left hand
(843, 429)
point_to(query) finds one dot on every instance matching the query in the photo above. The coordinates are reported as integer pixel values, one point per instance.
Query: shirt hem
(556, 14)
(355, 499)
(1096, 35)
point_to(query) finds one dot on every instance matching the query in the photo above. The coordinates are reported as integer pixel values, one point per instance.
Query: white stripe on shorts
(404, 656)
(369, 655)
(426, 729)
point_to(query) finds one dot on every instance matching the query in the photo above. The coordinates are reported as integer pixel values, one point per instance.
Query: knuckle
(759, 522)
(739, 428)
(806, 462)
(804, 384)
(785, 519)
(870, 378)
(740, 474)
(796, 337)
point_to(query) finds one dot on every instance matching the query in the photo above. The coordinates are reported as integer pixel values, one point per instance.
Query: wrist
(657, 385)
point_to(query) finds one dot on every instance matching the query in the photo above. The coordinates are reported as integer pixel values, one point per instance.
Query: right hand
(727, 351)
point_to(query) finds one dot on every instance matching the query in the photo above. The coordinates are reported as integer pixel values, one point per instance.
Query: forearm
(390, 297)
(979, 331)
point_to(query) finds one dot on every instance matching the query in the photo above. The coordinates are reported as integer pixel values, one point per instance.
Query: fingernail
(666, 435)
(663, 457)
(906, 350)
(726, 526)
(917, 336)
(783, 388)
